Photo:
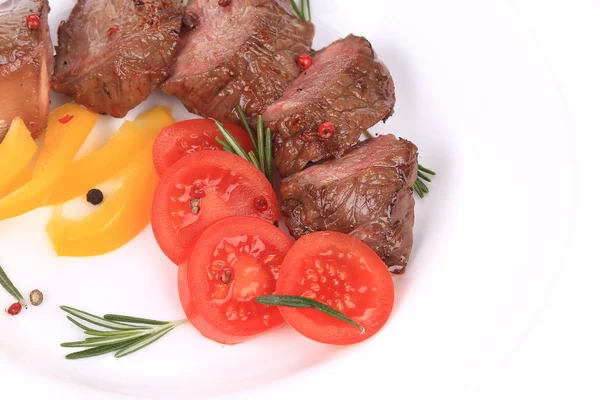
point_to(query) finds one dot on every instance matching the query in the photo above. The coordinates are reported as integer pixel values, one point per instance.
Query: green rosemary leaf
(424, 177)
(303, 302)
(253, 159)
(234, 144)
(307, 13)
(422, 186)
(130, 338)
(418, 191)
(226, 146)
(143, 342)
(242, 116)
(97, 351)
(10, 288)
(96, 320)
(426, 170)
(297, 9)
(260, 138)
(269, 154)
(93, 332)
(100, 341)
(78, 324)
(134, 320)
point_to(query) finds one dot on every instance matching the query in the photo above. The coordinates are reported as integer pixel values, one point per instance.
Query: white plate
(477, 97)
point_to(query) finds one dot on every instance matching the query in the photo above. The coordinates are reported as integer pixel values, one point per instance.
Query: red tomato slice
(205, 187)
(233, 261)
(344, 273)
(187, 137)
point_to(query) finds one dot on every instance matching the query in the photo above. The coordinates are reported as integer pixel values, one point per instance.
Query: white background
(560, 359)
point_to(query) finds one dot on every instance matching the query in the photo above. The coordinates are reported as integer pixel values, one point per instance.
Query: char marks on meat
(112, 54)
(25, 65)
(367, 194)
(242, 54)
(346, 86)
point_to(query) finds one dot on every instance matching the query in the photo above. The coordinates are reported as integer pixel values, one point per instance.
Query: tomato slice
(202, 188)
(187, 137)
(233, 261)
(344, 273)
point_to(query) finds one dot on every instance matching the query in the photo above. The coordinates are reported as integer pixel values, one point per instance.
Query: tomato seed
(195, 206)
(226, 277)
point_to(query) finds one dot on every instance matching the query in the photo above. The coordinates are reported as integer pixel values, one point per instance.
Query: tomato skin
(206, 300)
(343, 272)
(229, 186)
(182, 138)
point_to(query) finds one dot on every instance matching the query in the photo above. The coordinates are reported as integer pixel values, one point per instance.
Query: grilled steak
(346, 86)
(25, 64)
(241, 54)
(112, 54)
(367, 194)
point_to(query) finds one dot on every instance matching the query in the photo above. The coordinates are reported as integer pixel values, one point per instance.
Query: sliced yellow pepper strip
(16, 152)
(90, 171)
(62, 142)
(24, 177)
(155, 120)
(124, 213)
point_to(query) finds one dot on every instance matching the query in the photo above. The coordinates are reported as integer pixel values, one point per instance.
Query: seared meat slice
(112, 54)
(25, 65)
(242, 54)
(346, 86)
(367, 194)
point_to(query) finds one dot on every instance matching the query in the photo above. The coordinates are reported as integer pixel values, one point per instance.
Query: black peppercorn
(95, 197)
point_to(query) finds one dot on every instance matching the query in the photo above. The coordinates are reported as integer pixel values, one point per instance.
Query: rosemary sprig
(261, 156)
(304, 302)
(10, 288)
(302, 10)
(297, 9)
(420, 187)
(307, 12)
(125, 334)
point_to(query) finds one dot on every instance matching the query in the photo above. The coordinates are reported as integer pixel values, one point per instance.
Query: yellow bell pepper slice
(90, 171)
(124, 213)
(24, 177)
(122, 216)
(155, 120)
(68, 127)
(16, 152)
